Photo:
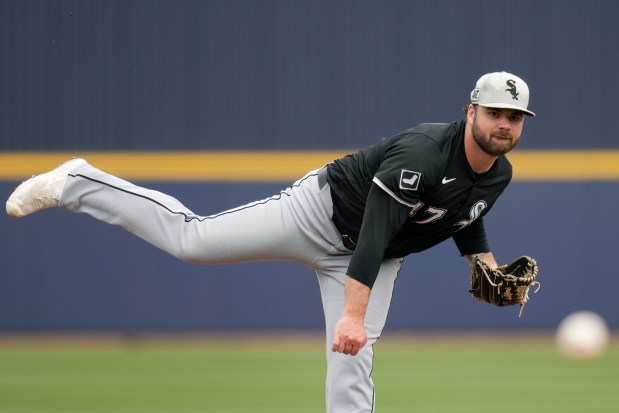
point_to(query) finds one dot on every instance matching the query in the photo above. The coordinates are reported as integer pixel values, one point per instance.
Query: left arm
(471, 241)
(486, 257)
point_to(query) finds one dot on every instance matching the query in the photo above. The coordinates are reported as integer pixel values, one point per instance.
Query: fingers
(335, 346)
(347, 345)
(349, 336)
(354, 350)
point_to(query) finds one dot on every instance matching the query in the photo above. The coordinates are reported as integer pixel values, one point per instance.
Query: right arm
(387, 208)
(382, 219)
(349, 335)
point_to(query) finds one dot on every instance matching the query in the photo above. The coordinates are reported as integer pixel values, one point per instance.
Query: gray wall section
(303, 74)
(65, 272)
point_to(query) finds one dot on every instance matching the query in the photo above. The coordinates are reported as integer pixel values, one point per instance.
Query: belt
(347, 241)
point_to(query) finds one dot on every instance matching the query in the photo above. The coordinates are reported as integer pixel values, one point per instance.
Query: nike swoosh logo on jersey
(446, 181)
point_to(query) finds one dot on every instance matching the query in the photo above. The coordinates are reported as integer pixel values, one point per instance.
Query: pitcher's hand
(349, 335)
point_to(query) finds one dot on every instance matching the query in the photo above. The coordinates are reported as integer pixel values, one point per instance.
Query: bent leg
(349, 385)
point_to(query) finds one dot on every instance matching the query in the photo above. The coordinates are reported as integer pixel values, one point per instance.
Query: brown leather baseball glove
(505, 285)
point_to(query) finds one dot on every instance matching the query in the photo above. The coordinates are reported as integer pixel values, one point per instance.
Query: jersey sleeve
(411, 166)
(472, 239)
(382, 219)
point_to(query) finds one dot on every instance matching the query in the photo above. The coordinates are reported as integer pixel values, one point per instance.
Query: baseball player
(351, 221)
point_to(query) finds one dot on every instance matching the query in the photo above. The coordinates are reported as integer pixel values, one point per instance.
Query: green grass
(439, 375)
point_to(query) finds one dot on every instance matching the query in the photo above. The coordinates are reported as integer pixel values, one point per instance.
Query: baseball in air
(583, 335)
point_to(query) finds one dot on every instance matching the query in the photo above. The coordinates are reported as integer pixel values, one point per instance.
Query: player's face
(496, 131)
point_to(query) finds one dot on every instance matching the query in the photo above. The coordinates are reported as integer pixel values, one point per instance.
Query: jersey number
(434, 213)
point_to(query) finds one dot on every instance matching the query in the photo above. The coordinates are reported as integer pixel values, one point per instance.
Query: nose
(504, 123)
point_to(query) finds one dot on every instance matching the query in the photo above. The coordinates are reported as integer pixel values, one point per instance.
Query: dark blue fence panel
(64, 272)
(307, 74)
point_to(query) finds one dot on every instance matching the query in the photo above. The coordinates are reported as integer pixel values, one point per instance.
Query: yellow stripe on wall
(565, 165)
(253, 166)
(176, 166)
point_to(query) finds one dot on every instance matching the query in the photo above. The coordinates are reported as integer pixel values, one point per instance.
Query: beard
(490, 145)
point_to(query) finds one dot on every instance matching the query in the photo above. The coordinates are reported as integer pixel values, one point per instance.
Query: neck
(479, 160)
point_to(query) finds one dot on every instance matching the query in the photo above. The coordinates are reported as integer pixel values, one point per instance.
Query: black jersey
(410, 192)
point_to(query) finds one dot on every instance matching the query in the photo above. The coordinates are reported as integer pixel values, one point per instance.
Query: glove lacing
(529, 281)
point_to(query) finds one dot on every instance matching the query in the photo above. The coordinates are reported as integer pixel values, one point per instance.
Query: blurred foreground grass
(243, 374)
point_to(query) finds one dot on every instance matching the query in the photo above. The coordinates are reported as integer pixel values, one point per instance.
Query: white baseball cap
(501, 90)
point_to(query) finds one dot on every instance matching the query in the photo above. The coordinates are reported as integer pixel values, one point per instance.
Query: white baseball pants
(294, 226)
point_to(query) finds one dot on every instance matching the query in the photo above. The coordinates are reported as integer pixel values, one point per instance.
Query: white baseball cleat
(41, 191)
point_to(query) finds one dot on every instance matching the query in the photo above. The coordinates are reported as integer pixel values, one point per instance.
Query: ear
(470, 113)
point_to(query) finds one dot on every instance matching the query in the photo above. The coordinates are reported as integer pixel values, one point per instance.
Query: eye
(517, 117)
(493, 113)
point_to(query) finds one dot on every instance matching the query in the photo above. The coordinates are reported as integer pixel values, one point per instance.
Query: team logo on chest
(409, 180)
(474, 213)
